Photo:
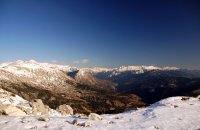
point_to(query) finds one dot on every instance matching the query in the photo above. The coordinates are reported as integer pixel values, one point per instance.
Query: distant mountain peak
(125, 68)
(29, 68)
(121, 69)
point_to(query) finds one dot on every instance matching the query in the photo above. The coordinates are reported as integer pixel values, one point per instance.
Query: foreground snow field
(175, 113)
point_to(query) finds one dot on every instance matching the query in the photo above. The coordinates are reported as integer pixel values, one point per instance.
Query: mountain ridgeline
(155, 85)
(99, 90)
(150, 83)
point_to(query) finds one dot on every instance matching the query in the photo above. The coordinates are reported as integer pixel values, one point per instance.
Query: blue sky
(106, 33)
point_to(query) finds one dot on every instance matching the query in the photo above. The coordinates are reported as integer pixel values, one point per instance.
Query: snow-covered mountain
(21, 68)
(51, 75)
(124, 69)
(36, 73)
(54, 85)
(28, 68)
(45, 74)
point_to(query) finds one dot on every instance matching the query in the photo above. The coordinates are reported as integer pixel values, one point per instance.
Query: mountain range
(100, 90)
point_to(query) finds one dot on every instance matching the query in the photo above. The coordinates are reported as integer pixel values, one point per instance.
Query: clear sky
(106, 33)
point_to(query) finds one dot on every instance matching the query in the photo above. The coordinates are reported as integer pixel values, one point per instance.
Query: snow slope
(44, 74)
(169, 114)
(27, 68)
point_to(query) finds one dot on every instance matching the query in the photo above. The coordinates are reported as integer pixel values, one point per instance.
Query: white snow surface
(168, 114)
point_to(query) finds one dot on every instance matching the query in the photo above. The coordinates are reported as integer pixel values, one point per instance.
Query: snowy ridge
(123, 69)
(98, 69)
(142, 68)
(33, 69)
(25, 68)
(132, 68)
(32, 65)
(45, 72)
(36, 73)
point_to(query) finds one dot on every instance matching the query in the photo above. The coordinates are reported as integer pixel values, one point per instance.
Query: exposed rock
(33, 128)
(46, 126)
(85, 124)
(39, 107)
(185, 98)
(118, 117)
(47, 108)
(94, 116)
(198, 97)
(11, 111)
(111, 122)
(27, 110)
(75, 122)
(82, 116)
(43, 119)
(175, 106)
(65, 110)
